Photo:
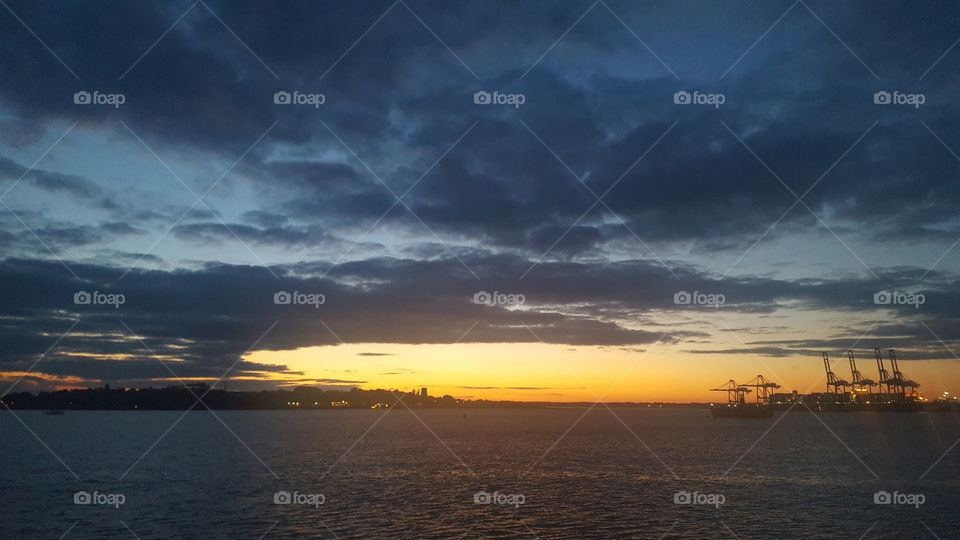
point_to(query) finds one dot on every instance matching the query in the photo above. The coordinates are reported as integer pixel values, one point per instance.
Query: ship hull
(742, 412)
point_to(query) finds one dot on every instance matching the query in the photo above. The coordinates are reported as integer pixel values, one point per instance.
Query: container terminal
(891, 391)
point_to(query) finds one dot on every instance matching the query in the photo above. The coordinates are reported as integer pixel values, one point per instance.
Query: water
(400, 481)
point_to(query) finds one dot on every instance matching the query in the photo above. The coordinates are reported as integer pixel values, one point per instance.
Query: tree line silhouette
(186, 397)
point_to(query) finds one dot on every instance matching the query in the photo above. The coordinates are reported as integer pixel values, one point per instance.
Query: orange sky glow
(541, 372)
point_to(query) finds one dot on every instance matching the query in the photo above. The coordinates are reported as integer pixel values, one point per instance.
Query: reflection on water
(491, 474)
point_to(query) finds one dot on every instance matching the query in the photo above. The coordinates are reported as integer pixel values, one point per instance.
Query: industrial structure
(888, 392)
(891, 391)
(837, 386)
(860, 385)
(737, 405)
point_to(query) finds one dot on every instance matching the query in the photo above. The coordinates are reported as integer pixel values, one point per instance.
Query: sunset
(414, 269)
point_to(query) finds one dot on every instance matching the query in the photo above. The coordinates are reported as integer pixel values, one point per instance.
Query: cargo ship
(737, 406)
(746, 410)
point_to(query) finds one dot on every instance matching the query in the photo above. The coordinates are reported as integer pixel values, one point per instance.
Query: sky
(570, 201)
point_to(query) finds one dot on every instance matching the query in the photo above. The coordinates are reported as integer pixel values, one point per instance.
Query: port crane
(736, 393)
(899, 382)
(762, 388)
(737, 406)
(835, 385)
(860, 384)
(884, 382)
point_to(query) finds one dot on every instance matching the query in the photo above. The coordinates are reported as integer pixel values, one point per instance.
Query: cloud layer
(399, 197)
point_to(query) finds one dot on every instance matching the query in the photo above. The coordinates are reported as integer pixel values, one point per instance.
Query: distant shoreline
(202, 396)
(492, 405)
(308, 398)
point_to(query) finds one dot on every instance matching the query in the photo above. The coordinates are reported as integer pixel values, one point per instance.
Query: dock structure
(892, 391)
(737, 405)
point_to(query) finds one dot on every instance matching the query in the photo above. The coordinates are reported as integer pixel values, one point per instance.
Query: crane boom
(882, 371)
(833, 383)
(860, 384)
(901, 382)
(763, 388)
(736, 393)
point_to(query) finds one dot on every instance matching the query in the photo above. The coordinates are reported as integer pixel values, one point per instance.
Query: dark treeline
(301, 397)
(185, 397)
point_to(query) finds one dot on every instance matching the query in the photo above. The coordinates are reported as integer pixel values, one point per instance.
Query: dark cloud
(206, 319)
(215, 233)
(510, 387)
(412, 99)
(445, 198)
(127, 258)
(73, 185)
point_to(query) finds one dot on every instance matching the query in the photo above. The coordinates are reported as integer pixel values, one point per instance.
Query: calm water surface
(389, 475)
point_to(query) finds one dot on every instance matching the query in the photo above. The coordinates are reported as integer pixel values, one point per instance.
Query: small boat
(54, 412)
